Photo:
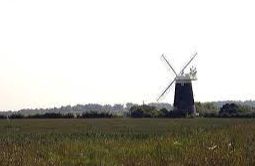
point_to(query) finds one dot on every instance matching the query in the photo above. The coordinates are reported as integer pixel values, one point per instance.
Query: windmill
(183, 98)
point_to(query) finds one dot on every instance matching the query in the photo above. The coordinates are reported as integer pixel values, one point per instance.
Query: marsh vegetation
(127, 141)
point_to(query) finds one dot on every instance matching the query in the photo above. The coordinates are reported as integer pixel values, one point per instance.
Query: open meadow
(127, 142)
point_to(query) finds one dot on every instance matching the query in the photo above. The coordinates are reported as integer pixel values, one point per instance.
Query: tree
(206, 109)
(228, 110)
(236, 110)
(163, 112)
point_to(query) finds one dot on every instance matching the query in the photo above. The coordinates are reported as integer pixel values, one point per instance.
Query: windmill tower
(183, 98)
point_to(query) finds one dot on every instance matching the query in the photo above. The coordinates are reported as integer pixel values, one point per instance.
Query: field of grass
(127, 142)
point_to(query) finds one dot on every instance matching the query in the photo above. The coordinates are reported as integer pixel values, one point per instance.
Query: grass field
(128, 142)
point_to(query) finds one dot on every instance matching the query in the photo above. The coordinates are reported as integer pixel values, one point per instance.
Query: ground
(127, 142)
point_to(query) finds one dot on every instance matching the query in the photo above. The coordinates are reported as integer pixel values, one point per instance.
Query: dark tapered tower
(183, 98)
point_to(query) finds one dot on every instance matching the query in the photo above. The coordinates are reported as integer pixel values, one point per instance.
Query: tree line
(228, 110)
(59, 116)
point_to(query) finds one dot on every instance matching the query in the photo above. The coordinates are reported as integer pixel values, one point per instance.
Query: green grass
(127, 142)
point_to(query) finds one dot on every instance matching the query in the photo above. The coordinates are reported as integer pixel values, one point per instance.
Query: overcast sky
(60, 52)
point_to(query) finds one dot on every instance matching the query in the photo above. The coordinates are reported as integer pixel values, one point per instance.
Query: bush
(68, 116)
(229, 109)
(144, 111)
(16, 116)
(94, 114)
(206, 109)
(3, 117)
(51, 116)
(163, 112)
(210, 115)
(236, 111)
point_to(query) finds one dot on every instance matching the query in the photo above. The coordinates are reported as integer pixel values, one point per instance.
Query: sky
(68, 52)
